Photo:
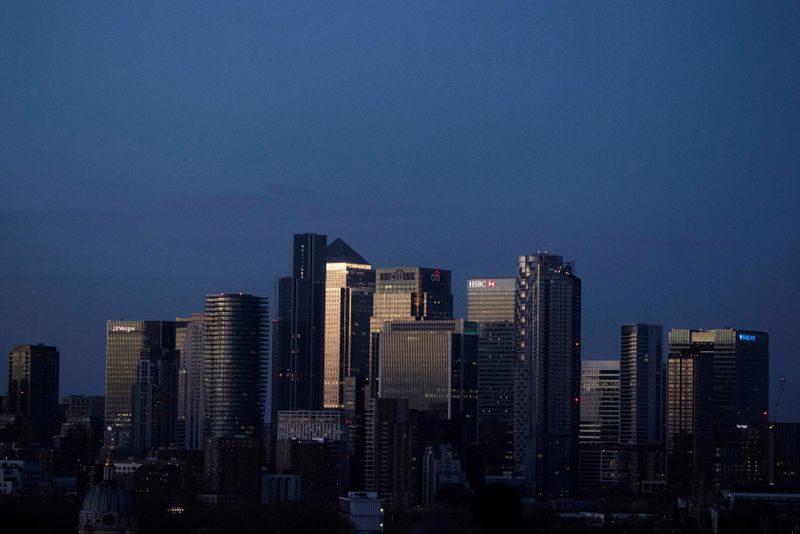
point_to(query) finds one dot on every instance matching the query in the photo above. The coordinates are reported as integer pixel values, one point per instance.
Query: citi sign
(482, 283)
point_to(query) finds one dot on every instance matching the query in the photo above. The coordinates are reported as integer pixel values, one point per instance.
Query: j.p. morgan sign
(121, 328)
(482, 283)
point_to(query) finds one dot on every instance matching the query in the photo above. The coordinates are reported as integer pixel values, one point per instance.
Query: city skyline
(790, 409)
(453, 265)
(638, 137)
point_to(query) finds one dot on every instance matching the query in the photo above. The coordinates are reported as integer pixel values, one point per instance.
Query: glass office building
(234, 372)
(599, 425)
(127, 342)
(299, 348)
(642, 412)
(491, 303)
(717, 383)
(433, 364)
(406, 294)
(349, 289)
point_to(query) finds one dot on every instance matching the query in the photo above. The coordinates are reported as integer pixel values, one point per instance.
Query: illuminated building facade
(599, 424)
(349, 289)
(127, 342)
(406, 294)
(717, 385)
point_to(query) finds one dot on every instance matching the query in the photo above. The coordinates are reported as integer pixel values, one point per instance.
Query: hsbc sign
(482, 283)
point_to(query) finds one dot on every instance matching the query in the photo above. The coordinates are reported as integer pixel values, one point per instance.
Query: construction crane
(778, 401)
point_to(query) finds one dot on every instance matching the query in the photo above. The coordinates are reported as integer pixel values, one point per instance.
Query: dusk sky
(151, 153)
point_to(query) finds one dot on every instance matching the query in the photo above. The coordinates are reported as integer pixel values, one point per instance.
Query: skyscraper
(127, 342)
(33, 372)
(642, 379)
(717, 382)
(407, 294)
(349, 288)
(391, 463)
(433, 364)
(491, 302)
(690, 382)
(547, 395)
(155, 401)
(298, 351)
(641, 384)
(234, 376)
(600, 391)
(234, 354)
(193, 397)
(599, 424)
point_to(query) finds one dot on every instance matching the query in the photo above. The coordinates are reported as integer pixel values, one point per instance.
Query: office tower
(729, 381)
(127, 342)
(281, 348)
(298, 356)
(433, 364)
(33, 372)
(236, 331)
(492, 304)
(234, 372)
(313, 445)
(642, 378)
(599, 424)
(144, 404)
(391, 461)
(181, 324)
(690, 381)
(349, 288)
(192, 398)
(547, 396)
(155, 401)
(406, 294)
(600, 395)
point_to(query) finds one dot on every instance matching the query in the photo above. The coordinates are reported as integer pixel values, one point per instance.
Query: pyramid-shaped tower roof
(341, 252)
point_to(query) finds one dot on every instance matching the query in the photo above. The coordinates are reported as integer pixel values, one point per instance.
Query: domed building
(107, 508)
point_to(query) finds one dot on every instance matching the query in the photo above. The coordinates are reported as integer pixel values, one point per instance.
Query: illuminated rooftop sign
(482, 283)
(121, 328)
(747, 337)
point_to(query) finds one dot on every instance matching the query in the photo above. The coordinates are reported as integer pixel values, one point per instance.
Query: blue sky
(151, 153)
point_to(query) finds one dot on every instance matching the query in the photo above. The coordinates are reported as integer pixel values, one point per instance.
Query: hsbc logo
(482, 283)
